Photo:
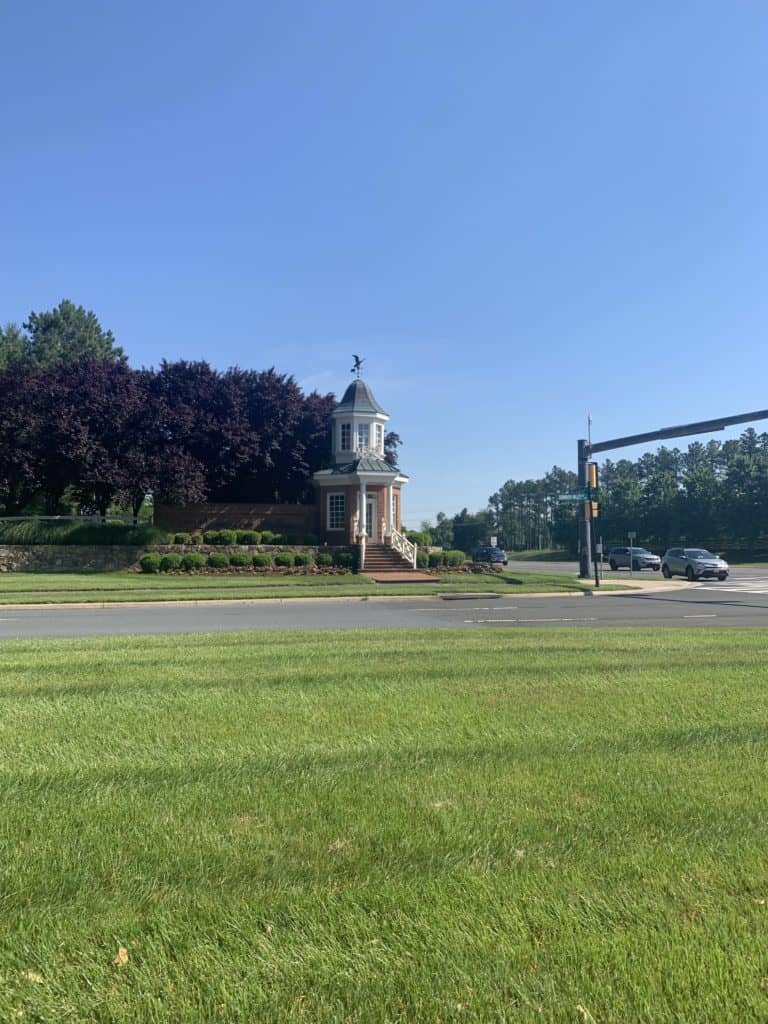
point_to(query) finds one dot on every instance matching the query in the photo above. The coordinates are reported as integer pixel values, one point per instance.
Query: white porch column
(361, 507)
(389, 510)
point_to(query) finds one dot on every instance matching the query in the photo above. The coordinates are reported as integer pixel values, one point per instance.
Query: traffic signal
(592, 475)
(594, 511)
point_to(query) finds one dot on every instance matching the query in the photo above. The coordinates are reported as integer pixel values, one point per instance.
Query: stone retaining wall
(67, 557)
(111, 558)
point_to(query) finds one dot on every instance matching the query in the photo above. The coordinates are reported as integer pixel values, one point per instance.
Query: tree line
(81, 428)
(713, 494)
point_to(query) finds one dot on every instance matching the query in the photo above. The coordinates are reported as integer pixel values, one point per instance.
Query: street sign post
(631, 536)
(574, 496)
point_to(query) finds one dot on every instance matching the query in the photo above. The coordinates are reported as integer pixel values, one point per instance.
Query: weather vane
(358, 363)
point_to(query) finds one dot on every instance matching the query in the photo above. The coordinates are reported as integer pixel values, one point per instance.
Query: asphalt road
(741, 601)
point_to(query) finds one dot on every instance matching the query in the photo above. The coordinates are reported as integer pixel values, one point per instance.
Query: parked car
(489, 554)
(694, 564)
(635, 558)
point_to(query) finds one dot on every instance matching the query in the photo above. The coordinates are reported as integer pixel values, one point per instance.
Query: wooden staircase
(381, 559)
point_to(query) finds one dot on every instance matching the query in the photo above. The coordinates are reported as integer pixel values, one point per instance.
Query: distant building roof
(358, 398)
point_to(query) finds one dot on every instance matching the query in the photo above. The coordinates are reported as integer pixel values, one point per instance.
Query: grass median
(366, 826)
(62, 588)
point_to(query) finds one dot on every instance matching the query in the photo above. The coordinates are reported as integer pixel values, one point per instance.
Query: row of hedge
(97, 534)
(226, 538)
(439, 559)
(153, 562)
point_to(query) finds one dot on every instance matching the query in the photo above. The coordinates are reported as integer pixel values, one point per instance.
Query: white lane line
(591, 618)
(708, 616)
(490, 620)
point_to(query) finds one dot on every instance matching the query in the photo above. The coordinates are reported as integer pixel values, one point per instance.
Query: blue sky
(517, 212)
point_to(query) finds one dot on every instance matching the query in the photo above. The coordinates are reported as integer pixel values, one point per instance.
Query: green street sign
(574, 496)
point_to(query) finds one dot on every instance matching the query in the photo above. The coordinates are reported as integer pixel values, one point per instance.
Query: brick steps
(381, 559)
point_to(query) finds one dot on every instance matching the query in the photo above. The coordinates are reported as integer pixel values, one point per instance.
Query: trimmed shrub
(248, 537)
(302, 558)
(218, 561)
(270, 537)
(194, 560)
(422, 559)
(182, 538)
(220, 537)
(344, 559)
(424, 540)
(324, 559)
(150, 562)
(240, 559)
(170, 562)
(262, 560)
(436, 558)
(196, 538)
(311, 539)
(454, 557)
(284, 559)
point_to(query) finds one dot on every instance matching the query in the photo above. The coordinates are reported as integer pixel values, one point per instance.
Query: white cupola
(358, 425)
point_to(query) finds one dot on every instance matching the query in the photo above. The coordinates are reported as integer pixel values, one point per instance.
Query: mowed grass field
(560, 826)
(108, 588)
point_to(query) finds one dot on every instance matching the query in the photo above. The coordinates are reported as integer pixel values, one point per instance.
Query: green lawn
(560, 826)
(58, 588)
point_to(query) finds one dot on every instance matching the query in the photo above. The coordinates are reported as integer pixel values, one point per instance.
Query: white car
(694, 564)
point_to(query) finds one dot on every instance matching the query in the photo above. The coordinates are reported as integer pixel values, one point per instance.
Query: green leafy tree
(15, 347)
(67, 334)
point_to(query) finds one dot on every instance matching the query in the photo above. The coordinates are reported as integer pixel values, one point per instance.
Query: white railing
(366, 451)
(404, 547)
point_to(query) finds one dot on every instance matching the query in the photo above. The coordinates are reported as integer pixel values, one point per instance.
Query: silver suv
(634, 558)
(694, 564)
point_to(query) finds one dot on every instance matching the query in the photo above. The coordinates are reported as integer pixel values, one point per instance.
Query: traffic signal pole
(585, 540)
(586, 450)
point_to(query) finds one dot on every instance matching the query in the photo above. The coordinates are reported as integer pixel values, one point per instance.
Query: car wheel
(690, 575)
(635, 566)
(665, 572)
(613, 565)
(722, 576)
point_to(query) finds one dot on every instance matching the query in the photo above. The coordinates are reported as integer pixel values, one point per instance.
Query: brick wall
(287, 519)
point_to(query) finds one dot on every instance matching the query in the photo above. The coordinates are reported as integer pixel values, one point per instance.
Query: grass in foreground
(459, 826)
(59, 588)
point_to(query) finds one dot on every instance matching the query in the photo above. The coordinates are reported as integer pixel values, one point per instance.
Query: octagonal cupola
(358, 425)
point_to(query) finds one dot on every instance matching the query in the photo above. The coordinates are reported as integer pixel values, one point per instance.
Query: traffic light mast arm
(703, 427)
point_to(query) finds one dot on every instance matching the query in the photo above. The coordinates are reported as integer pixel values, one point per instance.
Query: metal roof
(358, 398)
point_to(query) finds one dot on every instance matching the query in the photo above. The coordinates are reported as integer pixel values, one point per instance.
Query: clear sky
(518, 212)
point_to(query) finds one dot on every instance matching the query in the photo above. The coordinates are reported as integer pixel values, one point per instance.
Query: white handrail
(404, 547)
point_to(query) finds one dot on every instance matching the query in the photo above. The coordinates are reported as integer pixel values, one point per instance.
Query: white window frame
(363, 444)
(378, 431)
(346, 437)
(336, 511)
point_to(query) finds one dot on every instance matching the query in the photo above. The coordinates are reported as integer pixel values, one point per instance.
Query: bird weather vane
(358, 363)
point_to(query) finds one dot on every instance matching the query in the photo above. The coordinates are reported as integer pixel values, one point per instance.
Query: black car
(489, 554)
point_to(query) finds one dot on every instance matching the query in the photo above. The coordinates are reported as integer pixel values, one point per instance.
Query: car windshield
(699, 553)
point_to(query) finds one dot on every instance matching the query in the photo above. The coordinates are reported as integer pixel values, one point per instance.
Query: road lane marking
(591, 618)
(707, 616)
